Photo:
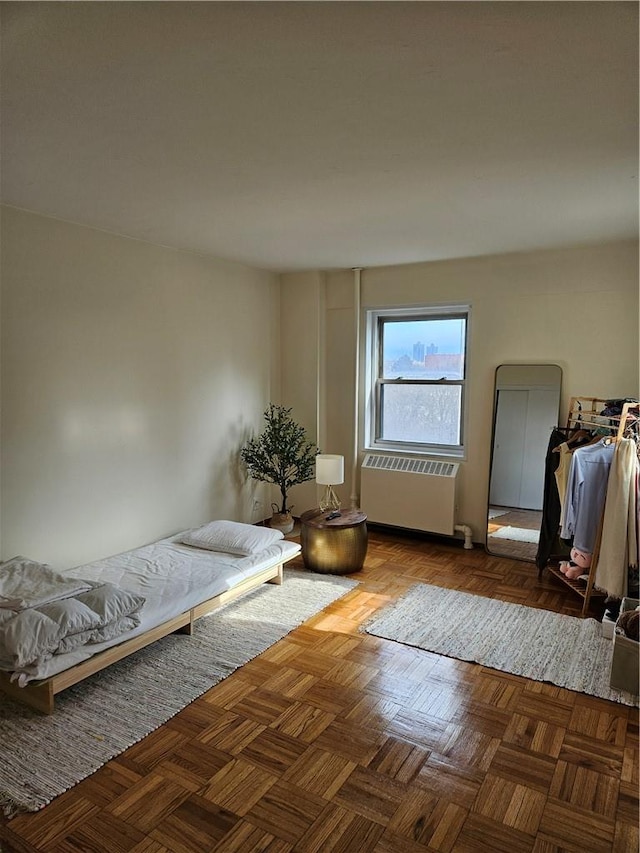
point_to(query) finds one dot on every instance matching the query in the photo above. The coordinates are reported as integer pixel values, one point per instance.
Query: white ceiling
(307, 135)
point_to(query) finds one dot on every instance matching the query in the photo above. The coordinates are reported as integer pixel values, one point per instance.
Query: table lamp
(329, 473)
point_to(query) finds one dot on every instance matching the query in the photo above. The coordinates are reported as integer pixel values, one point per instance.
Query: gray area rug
(42, 756)
(537, 644)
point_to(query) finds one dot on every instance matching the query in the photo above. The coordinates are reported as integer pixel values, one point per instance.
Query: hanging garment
(618, 546)
(549, 542)
(586, 491)
(562, 473)
(638, 513)
(634, 571)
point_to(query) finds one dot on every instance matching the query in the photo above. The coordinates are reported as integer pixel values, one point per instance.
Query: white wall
(131, 376)
(577, 308)
(301, 316)
(317, 382)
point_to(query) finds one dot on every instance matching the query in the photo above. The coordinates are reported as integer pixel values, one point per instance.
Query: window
(417, 367)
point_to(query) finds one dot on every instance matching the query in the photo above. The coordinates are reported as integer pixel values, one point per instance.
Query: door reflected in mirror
(526, 409)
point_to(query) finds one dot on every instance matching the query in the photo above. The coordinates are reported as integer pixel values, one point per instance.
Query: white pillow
(232, 537)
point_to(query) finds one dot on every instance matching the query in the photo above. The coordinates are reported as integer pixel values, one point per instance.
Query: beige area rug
(496, 513)
(527, 641)
(516, 534)
(42, 756)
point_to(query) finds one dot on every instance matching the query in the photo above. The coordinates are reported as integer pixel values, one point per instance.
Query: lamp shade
(329, 469)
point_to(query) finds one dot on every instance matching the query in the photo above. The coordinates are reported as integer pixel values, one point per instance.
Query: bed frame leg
(279, 578)
(38, 696)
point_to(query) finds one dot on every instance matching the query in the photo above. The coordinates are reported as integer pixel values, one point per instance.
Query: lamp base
(329, 500)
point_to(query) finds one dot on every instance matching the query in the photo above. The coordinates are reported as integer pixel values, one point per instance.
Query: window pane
(421, 413)
(423, 349)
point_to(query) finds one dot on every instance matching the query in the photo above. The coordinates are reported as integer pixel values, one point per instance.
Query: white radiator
(414, 493)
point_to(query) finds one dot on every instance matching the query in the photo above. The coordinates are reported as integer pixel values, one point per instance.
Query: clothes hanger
(577, 438)
(605, 439)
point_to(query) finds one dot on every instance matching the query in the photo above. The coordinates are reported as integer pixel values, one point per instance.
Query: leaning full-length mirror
(526, 409)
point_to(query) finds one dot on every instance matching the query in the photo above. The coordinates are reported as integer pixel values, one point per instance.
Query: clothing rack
(585, 412)
(585, 591)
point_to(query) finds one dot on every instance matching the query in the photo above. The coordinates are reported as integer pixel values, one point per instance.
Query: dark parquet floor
(333, 741)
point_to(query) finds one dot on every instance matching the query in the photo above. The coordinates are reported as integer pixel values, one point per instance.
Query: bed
(180, 579)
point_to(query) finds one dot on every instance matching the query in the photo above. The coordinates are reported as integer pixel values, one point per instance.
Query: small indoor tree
(281, 454)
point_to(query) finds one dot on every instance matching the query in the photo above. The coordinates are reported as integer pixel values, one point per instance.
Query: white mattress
(172, 578)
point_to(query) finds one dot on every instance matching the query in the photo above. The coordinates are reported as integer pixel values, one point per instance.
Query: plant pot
(282, 521)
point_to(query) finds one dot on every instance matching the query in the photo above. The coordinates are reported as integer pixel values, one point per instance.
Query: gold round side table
(336, 546)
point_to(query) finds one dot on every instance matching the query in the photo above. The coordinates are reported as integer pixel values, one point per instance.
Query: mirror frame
(527, 384)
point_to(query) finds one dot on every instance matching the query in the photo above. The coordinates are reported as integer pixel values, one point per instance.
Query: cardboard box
(625, 661)
(607, 627)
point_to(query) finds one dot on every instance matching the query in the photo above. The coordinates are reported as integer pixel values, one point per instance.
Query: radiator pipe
(464, 528)
(356, 390)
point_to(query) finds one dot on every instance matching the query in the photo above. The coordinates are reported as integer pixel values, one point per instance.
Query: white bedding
(172, 578)
(25, 584)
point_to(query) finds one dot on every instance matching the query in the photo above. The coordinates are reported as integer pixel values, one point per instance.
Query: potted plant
(282, 455)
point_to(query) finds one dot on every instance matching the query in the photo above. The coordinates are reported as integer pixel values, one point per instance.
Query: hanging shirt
(618, 548)
(562, 474)
(586, 491)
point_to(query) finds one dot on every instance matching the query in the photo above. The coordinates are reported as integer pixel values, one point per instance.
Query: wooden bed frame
(41, 694)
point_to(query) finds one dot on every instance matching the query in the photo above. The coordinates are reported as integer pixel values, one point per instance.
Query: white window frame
(374, 381)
